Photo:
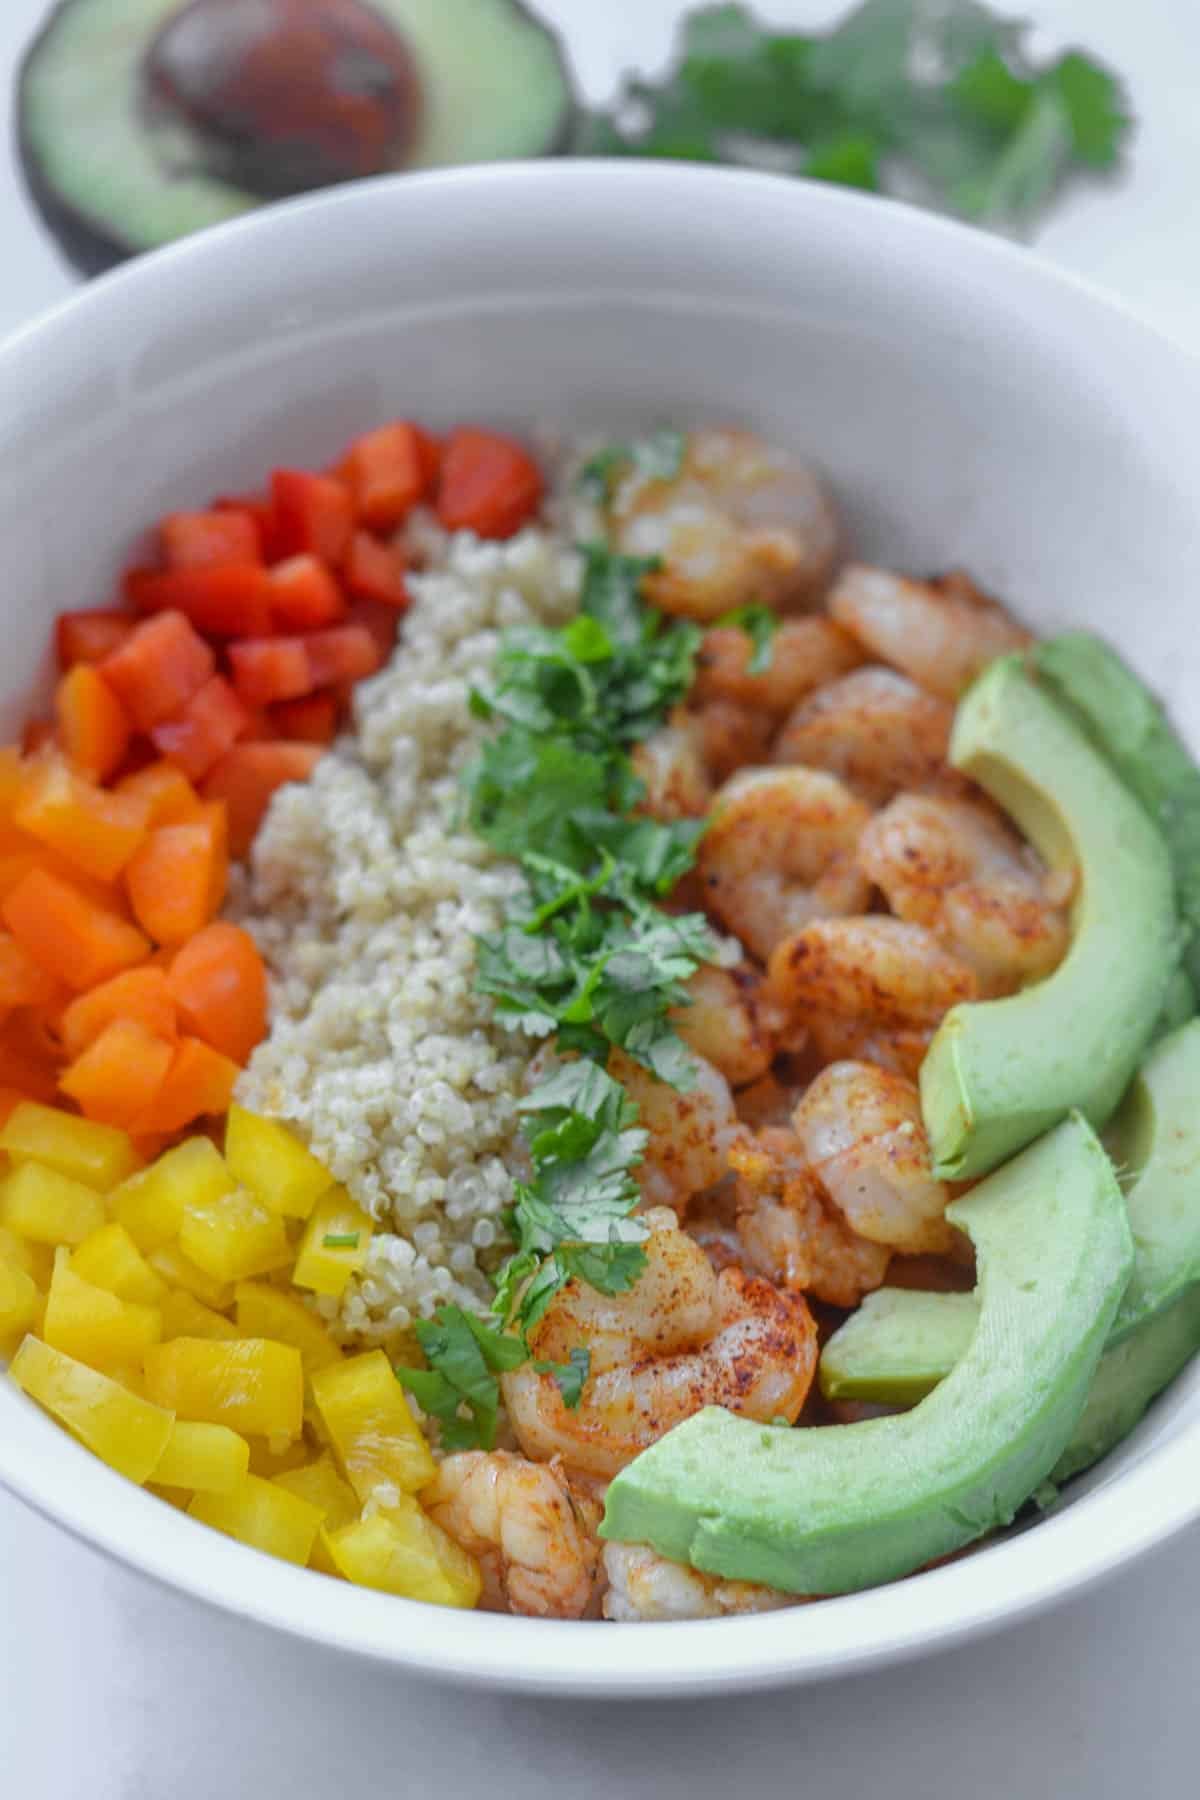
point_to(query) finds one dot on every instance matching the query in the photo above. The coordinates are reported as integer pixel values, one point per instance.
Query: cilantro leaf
(656, 458)
(760, 625)
(570, 1375)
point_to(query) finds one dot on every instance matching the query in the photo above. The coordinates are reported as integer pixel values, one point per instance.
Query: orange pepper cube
(93, 727)
(249, 1384)
(119, 1074)
(199, 1081)
(176, 880)
(70, 935)
(371, 1426)
(94, 830)
(141, 994)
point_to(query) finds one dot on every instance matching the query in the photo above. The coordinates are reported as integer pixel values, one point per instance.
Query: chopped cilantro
(657, 458)
(340, 1240)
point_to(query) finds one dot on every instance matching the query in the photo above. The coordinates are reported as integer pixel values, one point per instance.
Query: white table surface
(114, 1690)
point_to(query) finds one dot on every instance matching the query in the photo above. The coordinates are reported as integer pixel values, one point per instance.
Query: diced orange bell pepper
(313, 719)
(170, 795)
(94, 830)
(38, 734)
(176, 881)
(93, 727)
(267, 669)
(219, 984)
(375, 571)
(139, 994)
(68, 934)
(22, 981)
(344, 653)
(158, 668)
(386, 473)
(488, 484)
(199, 1081)
(202, 731)
(305, 595)
(313, 513)
(88, 636)
(204, 540)
(247, 776)
(120, 1074)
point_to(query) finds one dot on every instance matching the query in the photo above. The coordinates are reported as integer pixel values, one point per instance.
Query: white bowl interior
(969, 407)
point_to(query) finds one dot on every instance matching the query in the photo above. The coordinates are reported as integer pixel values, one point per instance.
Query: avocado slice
(1000, 1072)
(1179, 1005)
(142, 120)
(828, 1509)
(1127, 724)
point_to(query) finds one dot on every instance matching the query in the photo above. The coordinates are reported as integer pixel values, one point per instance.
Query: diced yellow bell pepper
(250, 1384)
(270, 1457)
(185, 1316)
(265, 1311)
(269, 1159)
(180, 1498)
(36, 1259)
(151, 1205)
(400, 1550)
(20, 1299)
(234, 1236)
(98, 1155)
(92, 1325)
(125, 1431)
(259, 1513)
(320, 1484)
(41, 1203)
(334, 1245)
(210, 1459)
(109, 1258)
(371, 1426)
(179, 1271)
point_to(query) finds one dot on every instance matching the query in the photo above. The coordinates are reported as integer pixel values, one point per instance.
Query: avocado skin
(831, 1509)
(92, 245)
(1000, 1072)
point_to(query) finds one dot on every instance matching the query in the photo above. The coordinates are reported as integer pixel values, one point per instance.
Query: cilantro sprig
(655, 458)
(935, 100)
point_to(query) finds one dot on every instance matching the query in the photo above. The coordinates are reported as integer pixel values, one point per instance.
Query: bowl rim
(1103, 1529)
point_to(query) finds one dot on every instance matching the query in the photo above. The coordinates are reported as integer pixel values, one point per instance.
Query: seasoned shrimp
(671, 763)
(534, 1537)
(875, 729)
(836, 1038)
(681, 1338)
(803, 654)
(877, 969)
(940, 633)
(644, 1585)
(780, 851)
(690, 1132)
(740, 522)
(958, 870)
(863, 1137)
(791, 1232)
(724, 1024)
(730, 736)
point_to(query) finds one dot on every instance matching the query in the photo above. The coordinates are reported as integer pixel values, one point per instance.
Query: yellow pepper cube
(371, 1426)
(274, 1456)
(98, 1155)
(261, 1514)
(249, 1384)
(334, 1245)
(209, 1459)
(320, 1484)
(125, 1431)
(92, 1325)
(41, 1203)
(109, 1258)
(179, 1271)
(265, 1311)
(36, 1259)
(270, 1160)
(20, 1299)
(400, 1550)
(234, 1237)
(151, 1205)
(185, 1316)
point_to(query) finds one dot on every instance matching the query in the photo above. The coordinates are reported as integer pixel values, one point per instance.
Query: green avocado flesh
(1127, 724)
(110, 180)
(829, 1509)
(1000, 1072)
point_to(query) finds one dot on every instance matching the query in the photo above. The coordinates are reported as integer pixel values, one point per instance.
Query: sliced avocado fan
(829, 1509)
(142, 120)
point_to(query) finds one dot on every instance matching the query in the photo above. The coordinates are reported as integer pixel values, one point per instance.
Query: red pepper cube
(346, 653)
(259, 508)
(313, 719)
(87, 636)
(375, 571)
(305, 595)
(247, 776)
(158, 668)
(206, 728)
(233, 600)
(386, 474)
(312, 513)
(206, 540)
(269, 669)
(488, 484)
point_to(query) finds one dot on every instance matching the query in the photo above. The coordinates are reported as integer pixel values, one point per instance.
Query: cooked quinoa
(366, 892)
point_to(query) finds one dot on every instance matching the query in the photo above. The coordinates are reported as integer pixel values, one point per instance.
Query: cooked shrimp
(681, 1338)
(671, 764)
(863, 1137)
(740, 522)
(942, 634)
(836, 1038)
(535, 1539)
(877, 969)
(723, 1022)
(802, 655)
(690, 1132)
(875, 729)
(957, 869)
(644, 1585)
(779, 851)
(729, 736)
(791, 1232)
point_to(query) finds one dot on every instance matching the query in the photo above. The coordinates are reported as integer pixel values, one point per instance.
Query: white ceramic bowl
(970, 406)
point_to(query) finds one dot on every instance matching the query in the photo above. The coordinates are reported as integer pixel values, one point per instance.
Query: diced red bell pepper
(199, 735)
(37, 734)
(247, 776)
(260, 510)
(375, 571)
(267, 669)
(158, 668)
(233, 600)
(382, 621)
(305, 595)
(205, 540)
(488, 484)
(387, 475)
(89, 635)
(313, 719)
(346, 653)
(311, 513)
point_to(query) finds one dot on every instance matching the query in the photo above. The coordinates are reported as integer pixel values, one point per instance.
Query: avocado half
(142, 120)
